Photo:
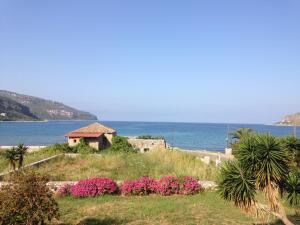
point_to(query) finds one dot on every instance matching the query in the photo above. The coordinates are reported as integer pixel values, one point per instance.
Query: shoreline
(41, 121)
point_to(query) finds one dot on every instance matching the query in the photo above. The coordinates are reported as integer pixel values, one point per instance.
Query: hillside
(293, 119)
(12, 110)
(14, 106)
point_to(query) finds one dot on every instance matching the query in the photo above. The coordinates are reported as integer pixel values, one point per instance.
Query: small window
(75, 140)
(146, 149)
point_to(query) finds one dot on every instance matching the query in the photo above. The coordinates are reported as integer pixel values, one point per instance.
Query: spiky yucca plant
(261, 165)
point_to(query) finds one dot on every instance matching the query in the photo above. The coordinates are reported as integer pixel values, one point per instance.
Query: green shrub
(147, 136)
(27, 200)
(292, 146)
(121, 144)
(83, 148)
(59, 148)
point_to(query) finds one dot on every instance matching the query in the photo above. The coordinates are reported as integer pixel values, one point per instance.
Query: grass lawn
(205, 208)
(128, 166)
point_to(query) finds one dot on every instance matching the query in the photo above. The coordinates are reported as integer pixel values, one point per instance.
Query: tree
(21, 151)
(11, 155)
(27, 200)
(261, 165)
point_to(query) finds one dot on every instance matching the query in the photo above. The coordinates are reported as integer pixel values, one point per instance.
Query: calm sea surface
(192, 136)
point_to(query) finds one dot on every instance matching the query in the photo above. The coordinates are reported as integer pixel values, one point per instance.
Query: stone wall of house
(73, 141)
(109, 137)
(94, 142)
(145, 145)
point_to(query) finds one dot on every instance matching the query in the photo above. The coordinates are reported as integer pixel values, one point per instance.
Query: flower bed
(141, 186)
(167, 185)
(94, 187)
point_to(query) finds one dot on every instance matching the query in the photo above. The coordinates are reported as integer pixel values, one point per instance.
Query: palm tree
(11, 155)
(21, 149)
(241, 133)
(261, 165)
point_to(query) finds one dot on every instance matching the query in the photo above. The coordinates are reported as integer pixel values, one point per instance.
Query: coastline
(40, 121)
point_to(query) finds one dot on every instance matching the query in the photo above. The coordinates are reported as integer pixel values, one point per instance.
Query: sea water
(193, 136)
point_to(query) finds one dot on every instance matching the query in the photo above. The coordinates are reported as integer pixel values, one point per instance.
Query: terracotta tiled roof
(93, 130)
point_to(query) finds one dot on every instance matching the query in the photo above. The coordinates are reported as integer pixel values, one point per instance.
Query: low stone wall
(145, 145)
(55, 185)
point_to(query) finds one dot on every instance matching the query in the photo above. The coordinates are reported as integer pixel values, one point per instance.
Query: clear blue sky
(203, 61)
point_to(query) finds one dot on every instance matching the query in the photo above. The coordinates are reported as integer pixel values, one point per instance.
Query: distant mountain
(12, 110)
(293, 119)
(14, 106)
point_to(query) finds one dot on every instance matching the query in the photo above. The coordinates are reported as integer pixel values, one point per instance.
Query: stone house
(145, 145)
(95, 135)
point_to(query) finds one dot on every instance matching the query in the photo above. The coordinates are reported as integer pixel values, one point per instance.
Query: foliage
(12, 156)
(261, 165)
(21, 151)
(15, 156)
(83, 148)
(292, 146)
(147, 136)
(237, 184)
(27, 200)
(94, 187)
(121, 144)
(239, 135)
(292, 188)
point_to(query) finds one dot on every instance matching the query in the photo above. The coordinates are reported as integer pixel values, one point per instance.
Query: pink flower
(64, 190)
(94, 187)
(141, 186)
(169, 185)
(190, 186)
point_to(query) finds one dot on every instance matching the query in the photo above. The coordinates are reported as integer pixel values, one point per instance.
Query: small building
(95, 135)
(145, 145)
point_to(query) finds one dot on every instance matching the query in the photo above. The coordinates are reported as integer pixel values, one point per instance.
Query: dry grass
(129, 166)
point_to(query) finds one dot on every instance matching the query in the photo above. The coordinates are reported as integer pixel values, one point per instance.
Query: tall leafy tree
(261, 165)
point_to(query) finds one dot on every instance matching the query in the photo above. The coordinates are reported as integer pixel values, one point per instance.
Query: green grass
(128, 166)
(205, 208)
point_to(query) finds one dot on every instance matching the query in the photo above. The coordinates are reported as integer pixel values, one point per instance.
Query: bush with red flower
(141, 186)
(64, 190)
(190, 186)
(168, 185)
(94, 187)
